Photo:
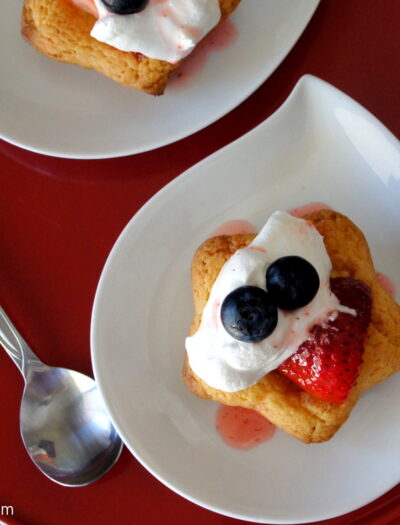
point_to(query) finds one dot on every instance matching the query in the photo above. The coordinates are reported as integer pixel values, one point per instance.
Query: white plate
(319, 146)
(66, 111)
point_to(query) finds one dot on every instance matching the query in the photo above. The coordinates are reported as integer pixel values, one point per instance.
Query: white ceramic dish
(319, 146)
(66, 111)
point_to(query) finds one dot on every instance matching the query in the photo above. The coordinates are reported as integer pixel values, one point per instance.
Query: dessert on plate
(292, 323)
(135, 42)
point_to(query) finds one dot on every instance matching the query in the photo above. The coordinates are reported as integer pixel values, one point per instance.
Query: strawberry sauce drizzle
(387, 284)
(242, 428)
(221, 37)
(309, 208)
(233, 227)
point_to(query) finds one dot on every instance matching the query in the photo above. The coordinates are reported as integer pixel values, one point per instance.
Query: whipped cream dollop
(165, 30)
(231, 365)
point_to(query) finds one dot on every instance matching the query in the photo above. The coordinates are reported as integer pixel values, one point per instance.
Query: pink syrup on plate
(233, 227)
(242, 428)
(239, 226)
(387, 284)
(221, 37)
(309, 208)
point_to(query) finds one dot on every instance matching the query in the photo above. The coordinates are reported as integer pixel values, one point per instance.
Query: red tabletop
(59, 219)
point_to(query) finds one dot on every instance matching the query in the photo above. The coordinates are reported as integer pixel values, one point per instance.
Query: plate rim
(306, 82)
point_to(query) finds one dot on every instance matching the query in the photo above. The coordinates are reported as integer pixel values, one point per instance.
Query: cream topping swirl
(165, 30)
(231, 365)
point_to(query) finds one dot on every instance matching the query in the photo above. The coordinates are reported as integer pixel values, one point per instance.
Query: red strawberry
(327, 364)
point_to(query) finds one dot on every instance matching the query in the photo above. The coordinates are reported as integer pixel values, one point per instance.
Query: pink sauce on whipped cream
(242, 428)
(164, 30)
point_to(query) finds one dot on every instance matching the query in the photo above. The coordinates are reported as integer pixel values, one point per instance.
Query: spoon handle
(14, 344)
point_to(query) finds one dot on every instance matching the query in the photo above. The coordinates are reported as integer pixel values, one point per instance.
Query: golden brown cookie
(277, 398)
(60, 30)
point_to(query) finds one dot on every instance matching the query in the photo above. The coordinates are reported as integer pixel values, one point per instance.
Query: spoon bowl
(65, 426)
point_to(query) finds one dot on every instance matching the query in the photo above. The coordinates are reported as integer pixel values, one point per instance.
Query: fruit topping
(125, 7)
(248, 314)
(327, 364)
(292, 282)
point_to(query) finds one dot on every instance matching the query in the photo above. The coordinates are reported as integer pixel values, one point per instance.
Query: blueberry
(292, 282)
(125, 7)
(248, 314)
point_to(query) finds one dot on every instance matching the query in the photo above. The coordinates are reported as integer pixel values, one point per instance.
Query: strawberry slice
(327, 364)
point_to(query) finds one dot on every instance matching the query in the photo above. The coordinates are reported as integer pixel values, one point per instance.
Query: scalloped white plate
(66, 111)
(319, 146)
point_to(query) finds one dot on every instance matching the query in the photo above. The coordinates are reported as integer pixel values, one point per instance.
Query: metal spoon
(64, 424)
